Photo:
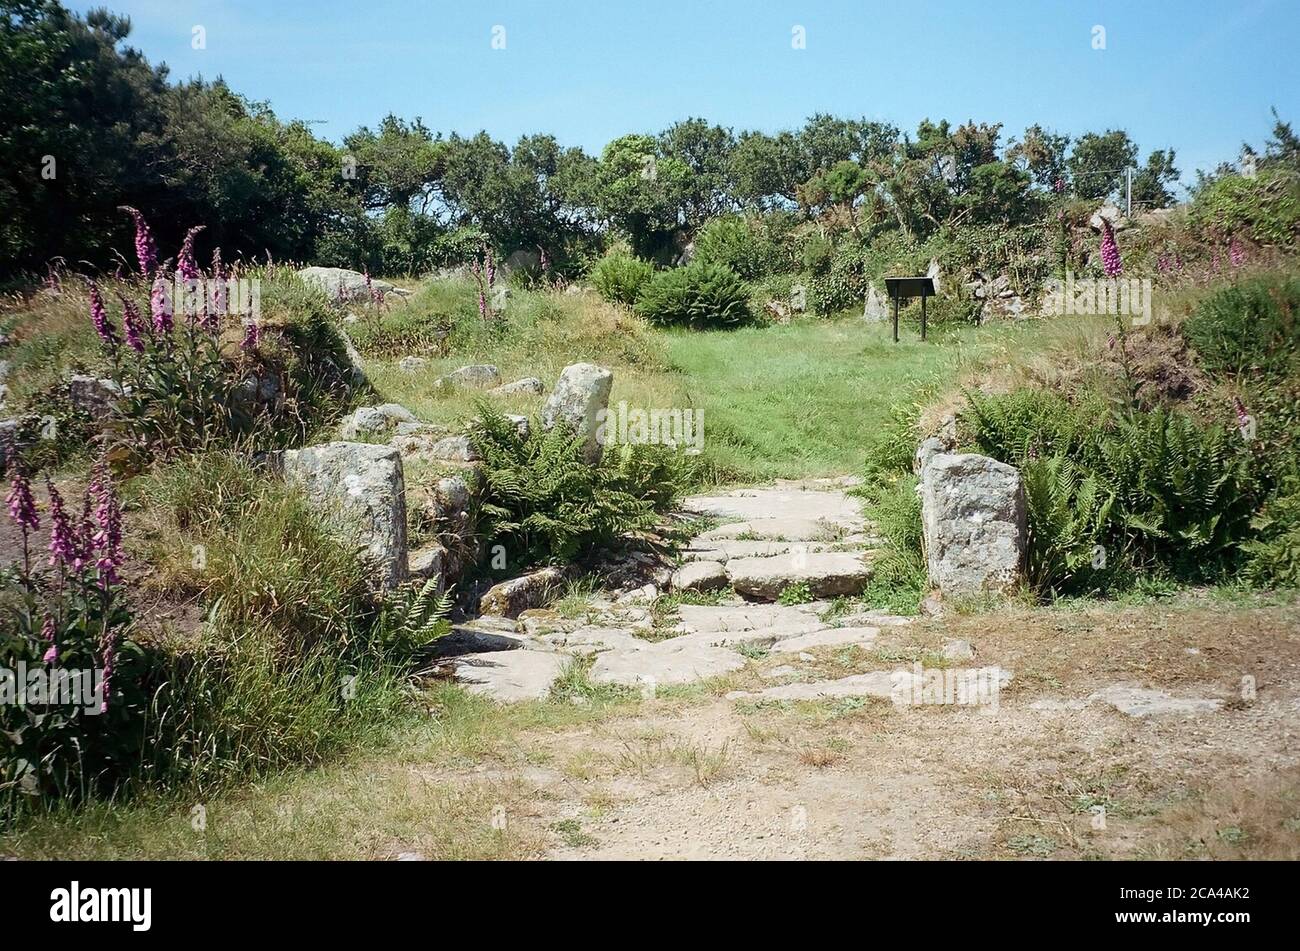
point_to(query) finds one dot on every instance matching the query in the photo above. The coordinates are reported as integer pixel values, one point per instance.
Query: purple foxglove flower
(65, 546)
(47, 634)
(132, 325)
(107, 539)
(490, 267)
(99, 317)
(1110, 259)
(1236, 253)
(146, 252)
(252, 334)
(160, 307)
(185, 264)
(22, 507)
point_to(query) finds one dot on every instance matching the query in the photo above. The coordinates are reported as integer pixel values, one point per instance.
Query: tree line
(90, 125)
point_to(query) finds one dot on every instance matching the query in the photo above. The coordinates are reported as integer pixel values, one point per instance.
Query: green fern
(414, 617)
(545, 503)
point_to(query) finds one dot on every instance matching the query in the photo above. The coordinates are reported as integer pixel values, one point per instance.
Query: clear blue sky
(1198, 75)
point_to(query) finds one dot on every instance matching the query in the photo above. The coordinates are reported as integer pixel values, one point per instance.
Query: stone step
(510, 676)
(827, 574)
(789, 529)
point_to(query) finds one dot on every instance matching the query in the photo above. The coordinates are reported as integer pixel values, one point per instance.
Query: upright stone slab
(361, 486)
(973, 514)
(876, 307)
(580, 400)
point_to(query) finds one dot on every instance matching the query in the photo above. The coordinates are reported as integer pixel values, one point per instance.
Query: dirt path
(1152, 731)
(864, 778)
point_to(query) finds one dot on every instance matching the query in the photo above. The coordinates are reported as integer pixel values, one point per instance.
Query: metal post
(923, 297)
(895, 316)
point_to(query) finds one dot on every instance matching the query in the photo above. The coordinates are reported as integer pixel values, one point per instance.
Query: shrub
(1266, 208)
(1158, 489)
(1273, 555)
(545, 503)
(736, 243)
(697, 295)
(1252, 327)
(618, 277)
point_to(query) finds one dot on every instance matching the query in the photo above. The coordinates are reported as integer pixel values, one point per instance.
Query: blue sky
(1196, 75)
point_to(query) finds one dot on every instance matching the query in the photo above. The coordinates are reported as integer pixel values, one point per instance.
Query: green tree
(1097, 163)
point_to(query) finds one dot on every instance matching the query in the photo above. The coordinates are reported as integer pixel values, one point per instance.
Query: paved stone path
(810, 533)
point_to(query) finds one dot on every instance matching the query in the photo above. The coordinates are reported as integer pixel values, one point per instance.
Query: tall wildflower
(107, 540)
(1110, 259)
(160, 307)
(22, 506)
(1236, 252)
(146, 252)
(218, 290)
(252, 334)
(99, 317)
(132, 325)
(65, 546)
(47, 635)
(185, 263)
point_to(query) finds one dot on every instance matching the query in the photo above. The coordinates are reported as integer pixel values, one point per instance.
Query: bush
(1252, 327)
(618, 277)
(697, 295)
(545, 503)
(1273, 555)
(1265, 209)
(1158, 489)
(736, 243)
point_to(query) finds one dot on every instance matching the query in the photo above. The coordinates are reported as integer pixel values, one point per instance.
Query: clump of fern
(1069, 527)
(545, 503)
(413, 617)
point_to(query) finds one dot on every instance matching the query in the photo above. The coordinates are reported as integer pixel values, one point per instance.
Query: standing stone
(973, 516)
(876, 307)
(579, 401)
(362, 487)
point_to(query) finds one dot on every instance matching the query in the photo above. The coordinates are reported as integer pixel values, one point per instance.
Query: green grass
(799, 400)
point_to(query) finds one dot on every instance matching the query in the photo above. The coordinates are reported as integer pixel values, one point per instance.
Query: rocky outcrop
(511, 598)
(361, 487)
(974, 523)
(579, 402)
(341, 284)
(372, 421)
(528, 386)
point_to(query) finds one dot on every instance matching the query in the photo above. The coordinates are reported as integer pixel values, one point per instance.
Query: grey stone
(974, 521)
(479, 376)
(930, 447)
(877, 683)
(665, 663)
(1138, 702)
(778, 529)
(579, 402)
(699, 576)
(362, 487)
(412, 364)
(827, 574)
(428, 562)
(338, 283)
(831, 637)
(455, 449)
(510, 598)
(512, 675)
(781, 502)
(374, 420)
(529, 385)
(876, 308)
(94, 396)
(958, 650)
